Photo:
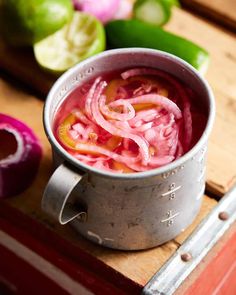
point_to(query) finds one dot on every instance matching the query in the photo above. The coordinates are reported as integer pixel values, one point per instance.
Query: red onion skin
(76, 4)
(125, 10)
(17, 176)
(103, 10)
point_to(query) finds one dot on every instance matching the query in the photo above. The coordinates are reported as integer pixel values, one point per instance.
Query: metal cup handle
(57, 192)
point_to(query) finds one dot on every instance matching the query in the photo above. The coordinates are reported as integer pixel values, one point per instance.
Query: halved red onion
(124, 10)
(76, 4)
(20, 154)
(104, 10)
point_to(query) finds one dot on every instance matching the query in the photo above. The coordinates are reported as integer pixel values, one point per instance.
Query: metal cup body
(138, 210)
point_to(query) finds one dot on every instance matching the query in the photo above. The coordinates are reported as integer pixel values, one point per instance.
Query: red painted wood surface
(18, 277)
(219, 276)
(79, 266)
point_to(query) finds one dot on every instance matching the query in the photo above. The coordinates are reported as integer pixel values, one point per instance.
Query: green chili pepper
(135, 33)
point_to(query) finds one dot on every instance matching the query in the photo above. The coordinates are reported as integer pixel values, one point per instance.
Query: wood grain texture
(221, 172)
(221, 11)
(138, 266)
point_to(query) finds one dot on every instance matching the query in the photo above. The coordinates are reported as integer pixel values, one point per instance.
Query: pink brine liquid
(130, 121)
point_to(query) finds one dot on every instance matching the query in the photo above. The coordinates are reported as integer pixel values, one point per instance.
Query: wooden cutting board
(221, 11)
(221, 172)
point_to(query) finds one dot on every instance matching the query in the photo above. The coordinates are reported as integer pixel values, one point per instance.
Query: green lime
(24, 22)
(156, 12)
(174, 3)
(84, 36)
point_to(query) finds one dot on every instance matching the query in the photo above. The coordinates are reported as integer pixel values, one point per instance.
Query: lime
(173, 3)
(84, 36)
(24, 22)
(156, 12)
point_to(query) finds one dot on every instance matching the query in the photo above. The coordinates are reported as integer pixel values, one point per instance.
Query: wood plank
(138, 266)
(221, 11)
(221, 76)
(222, 172)
(219, 43)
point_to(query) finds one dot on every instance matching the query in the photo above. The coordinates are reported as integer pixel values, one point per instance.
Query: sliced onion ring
(18, 167)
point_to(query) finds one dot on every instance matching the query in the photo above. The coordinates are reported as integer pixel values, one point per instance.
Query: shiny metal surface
(128, 211)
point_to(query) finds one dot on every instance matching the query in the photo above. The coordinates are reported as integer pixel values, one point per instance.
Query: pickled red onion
(159, 100)
(146, 116)
(151, 129)
(89, 158)
(160, 161)
(154, 163)
(144, 71)
(144, 127)
(115, 131)
(78, 127)
(128, 108)
(186, 105)
(105, 166)
(90, 97)
(84, 148)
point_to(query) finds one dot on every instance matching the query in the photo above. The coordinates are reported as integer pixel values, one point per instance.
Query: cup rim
(126, 176)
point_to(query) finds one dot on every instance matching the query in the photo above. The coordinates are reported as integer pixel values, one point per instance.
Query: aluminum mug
(127, 211)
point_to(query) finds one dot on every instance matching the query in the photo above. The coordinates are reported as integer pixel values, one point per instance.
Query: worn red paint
(18, 277)
(79, 265)
(219, 277)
